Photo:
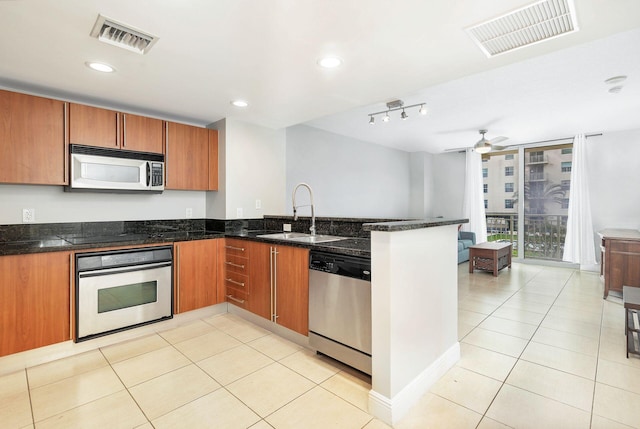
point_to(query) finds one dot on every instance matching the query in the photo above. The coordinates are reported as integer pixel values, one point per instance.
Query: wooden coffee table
(490, 256)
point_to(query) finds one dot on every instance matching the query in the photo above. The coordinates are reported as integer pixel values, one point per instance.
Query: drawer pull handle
(241, 249)
(234, 265)
(235, 282)
(232, 298)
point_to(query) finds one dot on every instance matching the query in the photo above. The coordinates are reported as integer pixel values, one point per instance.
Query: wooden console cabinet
(620, 264)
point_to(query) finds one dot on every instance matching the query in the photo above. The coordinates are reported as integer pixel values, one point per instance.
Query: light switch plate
(258, 204)
(239, 212)
(189, 213)
(286, 227)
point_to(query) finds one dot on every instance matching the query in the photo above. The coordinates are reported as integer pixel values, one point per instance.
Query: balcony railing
(543, 235)
(537, 177)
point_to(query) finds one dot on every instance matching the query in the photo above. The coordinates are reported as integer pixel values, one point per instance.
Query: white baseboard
(391, 410)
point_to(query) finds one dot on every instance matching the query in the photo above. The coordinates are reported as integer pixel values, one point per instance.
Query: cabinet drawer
(237, 281)
(237, 264)
(237, 297)
(236, 247)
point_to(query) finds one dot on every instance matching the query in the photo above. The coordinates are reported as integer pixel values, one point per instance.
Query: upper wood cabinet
(32, 140)
(191, 157)
(35, 309)
(93, 126)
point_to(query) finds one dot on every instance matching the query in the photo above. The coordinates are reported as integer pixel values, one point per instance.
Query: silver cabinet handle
(231, 297)
(178, 279)
(235, 282)
(234, 265)
(241, 249)
(274, 283)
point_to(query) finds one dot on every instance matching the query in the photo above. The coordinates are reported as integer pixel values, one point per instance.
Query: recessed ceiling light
(615, 80)
(240, 103)
(101, 67)
(329, 62)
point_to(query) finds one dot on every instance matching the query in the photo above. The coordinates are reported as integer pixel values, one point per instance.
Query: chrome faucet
(295, 208)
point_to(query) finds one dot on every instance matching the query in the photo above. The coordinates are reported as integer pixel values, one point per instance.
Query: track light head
(394, 106)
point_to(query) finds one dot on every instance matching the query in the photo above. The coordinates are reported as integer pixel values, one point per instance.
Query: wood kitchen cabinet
(277, 282)
(191, 157)
(32, 140)
(196, 274)
(35, 296)
(94, 126)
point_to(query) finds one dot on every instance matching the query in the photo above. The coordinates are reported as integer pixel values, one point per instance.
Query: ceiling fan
(485, 145)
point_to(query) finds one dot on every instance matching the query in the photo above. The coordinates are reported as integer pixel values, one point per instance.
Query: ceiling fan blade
(497, 140)
(457, 149)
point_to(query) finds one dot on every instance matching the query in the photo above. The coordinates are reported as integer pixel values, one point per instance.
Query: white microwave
(114, 170)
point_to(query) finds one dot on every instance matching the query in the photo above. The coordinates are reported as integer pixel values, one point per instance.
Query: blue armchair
(465, 239)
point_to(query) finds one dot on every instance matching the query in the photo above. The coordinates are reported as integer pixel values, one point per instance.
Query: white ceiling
(265, 51)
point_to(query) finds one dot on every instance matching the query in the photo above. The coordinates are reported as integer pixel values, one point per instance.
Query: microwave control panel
(156, 173)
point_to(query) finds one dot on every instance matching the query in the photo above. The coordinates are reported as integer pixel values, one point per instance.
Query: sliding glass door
(528, 190)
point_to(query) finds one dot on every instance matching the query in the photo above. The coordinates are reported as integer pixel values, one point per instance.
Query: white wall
(53, 205)
(421, 192)
(448, 182)
(350, 178)
(614, 173)
(252, 167)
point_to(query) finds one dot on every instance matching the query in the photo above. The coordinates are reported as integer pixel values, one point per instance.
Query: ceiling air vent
(122, 36)
(540, 21)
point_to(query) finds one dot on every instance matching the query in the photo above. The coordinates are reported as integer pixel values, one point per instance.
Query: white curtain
(473, 205)
(579, 246)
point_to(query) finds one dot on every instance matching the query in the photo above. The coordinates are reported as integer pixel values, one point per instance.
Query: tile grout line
(525, 347)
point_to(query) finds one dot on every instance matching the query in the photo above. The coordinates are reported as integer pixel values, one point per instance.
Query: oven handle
(108, 271)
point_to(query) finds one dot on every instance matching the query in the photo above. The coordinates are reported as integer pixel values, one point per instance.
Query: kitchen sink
(301, 237)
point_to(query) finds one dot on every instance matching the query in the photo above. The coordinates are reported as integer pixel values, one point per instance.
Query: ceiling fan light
(482, 147)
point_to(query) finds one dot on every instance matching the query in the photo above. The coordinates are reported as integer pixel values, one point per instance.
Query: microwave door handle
(148, 173)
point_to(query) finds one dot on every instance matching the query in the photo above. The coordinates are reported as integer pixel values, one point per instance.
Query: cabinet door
(292, 288)
(34, 301)
(186, 157)
(141, 134)
(93, 126)
(260, 279)
(195, 274)
(213, 160)
(32, 140)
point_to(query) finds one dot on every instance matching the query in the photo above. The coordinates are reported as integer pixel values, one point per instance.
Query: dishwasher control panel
(341, 265)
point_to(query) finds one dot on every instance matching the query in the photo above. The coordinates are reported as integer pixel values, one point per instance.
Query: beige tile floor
(540, 349)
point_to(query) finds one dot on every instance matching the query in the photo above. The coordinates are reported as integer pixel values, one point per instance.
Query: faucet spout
(312, 229)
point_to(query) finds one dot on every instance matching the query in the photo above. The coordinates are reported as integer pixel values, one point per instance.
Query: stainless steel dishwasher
(340, 308)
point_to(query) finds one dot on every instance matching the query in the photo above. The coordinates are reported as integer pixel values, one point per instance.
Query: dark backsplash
(345, 227)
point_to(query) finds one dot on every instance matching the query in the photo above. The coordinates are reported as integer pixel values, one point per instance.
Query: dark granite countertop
(77, 242)
(407, 225)
(354, 246)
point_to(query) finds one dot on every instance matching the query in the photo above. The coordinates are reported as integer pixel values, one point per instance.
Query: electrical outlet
(258, 204)
(286, 227)
(189, 213)
(28, 215)
(239, 212)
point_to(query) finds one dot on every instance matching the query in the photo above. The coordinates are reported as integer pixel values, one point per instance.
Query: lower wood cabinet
(272, 283)
(196, 274)
(35, 294)
(621, 264)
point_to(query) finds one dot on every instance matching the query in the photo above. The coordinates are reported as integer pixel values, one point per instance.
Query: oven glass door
(115, 300)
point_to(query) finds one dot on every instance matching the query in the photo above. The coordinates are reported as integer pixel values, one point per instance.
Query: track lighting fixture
(392, 106)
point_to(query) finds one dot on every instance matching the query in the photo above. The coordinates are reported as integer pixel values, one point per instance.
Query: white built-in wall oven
(122, 289)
